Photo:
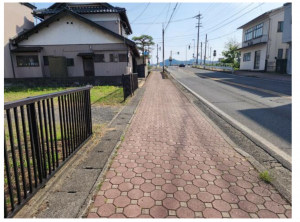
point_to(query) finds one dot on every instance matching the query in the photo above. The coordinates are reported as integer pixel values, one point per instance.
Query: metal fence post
(36, 141)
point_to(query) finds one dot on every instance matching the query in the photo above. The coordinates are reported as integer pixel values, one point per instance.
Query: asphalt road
(260, 105)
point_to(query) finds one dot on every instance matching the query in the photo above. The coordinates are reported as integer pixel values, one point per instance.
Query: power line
(171, 16)
(218, 14)
(152, 16)
(179, 20)
(233, 19)
(135, 7)
(141, 13)
(155, 19)
(223, 35)
(208, 7)
(168, 12)
(230, 16)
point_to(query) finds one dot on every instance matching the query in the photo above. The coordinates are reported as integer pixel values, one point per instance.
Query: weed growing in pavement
(265, 176)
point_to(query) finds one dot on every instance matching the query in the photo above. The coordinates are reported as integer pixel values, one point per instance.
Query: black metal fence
(130, 84)
(40, 134)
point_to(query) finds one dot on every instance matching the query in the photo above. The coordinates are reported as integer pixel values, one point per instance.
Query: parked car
(181, 65)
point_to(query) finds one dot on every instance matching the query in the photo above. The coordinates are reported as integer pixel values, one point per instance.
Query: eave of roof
(27, 49)
(62, 13)
(28, 5)
(266, 14)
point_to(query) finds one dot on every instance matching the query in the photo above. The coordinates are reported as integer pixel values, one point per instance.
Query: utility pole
(194, 52)
(157, 57)
(205, 49)
(198, 26)
(210, 55)
(186, 54)
(163, 49)
(201, 55)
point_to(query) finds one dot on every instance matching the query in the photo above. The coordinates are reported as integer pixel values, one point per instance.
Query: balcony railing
(255, 41)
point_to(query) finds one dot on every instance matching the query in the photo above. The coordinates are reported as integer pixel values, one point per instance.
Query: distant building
(262, 42)
(287, 34)
(75, 40)
(17, 19)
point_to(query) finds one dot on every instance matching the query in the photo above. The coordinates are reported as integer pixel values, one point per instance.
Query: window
(46, 60)
(29, 60)
(247, 57)
(258, 30)
(280, 27)
(70, 62)
(248, 35)
(122, 57)
(286, 53)
(280, 53)
(99, 58)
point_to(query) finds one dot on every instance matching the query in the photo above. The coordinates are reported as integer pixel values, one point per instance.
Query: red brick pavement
(173, 163)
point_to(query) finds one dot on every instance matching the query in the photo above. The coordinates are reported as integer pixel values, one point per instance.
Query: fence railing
(130, 84)
(40, 134)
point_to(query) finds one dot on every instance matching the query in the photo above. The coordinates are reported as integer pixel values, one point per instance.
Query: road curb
(260, 168)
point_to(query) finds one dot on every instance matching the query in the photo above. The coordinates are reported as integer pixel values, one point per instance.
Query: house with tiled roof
(75, 40)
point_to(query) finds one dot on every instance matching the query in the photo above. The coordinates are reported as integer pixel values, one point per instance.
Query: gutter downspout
(11, 60)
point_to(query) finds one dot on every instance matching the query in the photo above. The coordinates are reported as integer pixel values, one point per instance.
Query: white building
(262, 42)
(287, 34)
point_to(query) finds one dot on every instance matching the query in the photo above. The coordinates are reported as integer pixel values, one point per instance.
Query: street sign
(146, 53)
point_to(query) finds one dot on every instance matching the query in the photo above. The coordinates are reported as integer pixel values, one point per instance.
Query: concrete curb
(260, 168)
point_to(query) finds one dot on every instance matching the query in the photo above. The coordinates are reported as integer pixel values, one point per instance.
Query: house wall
(287, 25)
(61, 33)
(28, 72)
(16, 18)
(287, 34)
(71, 51)
(275, 38)
(265, 27)
(249, 65)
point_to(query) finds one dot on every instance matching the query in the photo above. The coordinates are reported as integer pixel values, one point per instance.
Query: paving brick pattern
(173, 163)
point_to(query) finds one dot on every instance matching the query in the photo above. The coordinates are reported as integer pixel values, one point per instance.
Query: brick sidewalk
(173, 163)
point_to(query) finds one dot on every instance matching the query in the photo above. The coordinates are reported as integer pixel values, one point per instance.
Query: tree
(231, 53)
(142, 42)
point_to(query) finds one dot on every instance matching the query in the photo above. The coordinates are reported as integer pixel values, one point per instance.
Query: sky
(219, 21)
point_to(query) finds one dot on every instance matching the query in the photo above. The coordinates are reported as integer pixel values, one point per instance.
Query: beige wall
(62, 32)
(275, 38)
(16, 18)
(249, 65)
(71, 51)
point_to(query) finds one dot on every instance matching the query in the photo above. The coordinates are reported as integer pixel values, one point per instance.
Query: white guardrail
(222, 68)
